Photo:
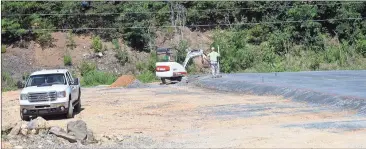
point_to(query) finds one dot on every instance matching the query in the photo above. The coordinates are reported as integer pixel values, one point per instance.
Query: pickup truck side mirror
(76, 81)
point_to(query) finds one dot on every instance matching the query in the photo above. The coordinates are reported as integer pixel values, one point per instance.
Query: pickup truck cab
(50, 92)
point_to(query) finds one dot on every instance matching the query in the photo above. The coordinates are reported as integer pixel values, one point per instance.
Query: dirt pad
(187, 117)
(123, 81)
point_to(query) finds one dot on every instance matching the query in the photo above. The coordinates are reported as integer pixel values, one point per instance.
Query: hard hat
(212, 48)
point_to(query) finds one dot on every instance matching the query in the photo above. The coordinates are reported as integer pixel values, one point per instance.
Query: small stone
(99, 54)
(24, 132)
(24, 126)
(42, 131)
(33, 131)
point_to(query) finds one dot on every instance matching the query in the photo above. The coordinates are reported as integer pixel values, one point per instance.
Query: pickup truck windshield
(46, 80)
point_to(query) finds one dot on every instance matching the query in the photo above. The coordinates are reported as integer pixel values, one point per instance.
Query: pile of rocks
(23, 132)
(36, 126)
(76, 131)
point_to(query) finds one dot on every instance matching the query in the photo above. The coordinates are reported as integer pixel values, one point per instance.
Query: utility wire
(203, 25)
(158, 12)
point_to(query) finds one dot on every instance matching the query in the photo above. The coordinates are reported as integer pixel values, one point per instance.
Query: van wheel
(70, 112)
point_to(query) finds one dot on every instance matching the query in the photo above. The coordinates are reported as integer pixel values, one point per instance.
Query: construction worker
(213, 61)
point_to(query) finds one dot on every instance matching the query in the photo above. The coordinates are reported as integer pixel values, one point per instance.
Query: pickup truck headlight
(23, 96)
(61, 94)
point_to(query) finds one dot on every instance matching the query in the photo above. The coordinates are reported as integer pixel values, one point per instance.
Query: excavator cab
(164, 54)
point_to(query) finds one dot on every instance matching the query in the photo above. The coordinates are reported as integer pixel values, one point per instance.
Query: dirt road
(185, 117)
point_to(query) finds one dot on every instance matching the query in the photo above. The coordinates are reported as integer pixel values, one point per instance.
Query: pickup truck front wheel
(78, 105)
(70, 112)
(24, 118)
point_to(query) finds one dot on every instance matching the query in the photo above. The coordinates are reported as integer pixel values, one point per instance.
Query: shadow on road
(60, 117)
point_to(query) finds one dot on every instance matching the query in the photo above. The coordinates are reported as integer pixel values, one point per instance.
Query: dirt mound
(123, 81)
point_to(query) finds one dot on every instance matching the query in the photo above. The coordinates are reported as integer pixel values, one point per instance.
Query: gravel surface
(338, 89)
(137, 84)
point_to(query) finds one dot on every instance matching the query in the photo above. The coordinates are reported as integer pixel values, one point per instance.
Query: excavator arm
(191, 54)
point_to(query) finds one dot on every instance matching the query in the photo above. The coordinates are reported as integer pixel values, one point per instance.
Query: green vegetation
(70, 43)
(121, 54)
(147, 69)
(67, 60)
(147, 77)
(8, 83)
(97, 44)
(116, 44)
(256, 36)
(25, 76)
(95, 77)
(181, 51)
(3, 48)
(87, 67)
(122, 57)
(92, 77)
(242, 55)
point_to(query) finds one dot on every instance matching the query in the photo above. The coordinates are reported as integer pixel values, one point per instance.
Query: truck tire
(70, 110)
(179, 79)
(78, 105)
(163, 80)
(24, 118)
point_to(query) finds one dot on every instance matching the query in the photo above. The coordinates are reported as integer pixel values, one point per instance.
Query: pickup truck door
(74, 91)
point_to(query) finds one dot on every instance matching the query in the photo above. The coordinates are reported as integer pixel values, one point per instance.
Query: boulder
(90, 137)
(38, 123)
(6, 128)
(78, 129)
(59, 132)
(16, 129)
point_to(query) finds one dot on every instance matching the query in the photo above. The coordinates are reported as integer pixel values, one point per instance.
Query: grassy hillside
(253, 36)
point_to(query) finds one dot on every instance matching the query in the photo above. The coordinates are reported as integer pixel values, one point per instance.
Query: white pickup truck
(50, 92)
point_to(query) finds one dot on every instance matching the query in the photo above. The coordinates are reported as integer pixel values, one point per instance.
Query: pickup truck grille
(45, 96)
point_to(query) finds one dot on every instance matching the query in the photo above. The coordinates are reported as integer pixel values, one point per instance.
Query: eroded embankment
(343, 90)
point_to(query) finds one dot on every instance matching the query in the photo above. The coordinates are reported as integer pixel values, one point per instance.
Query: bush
(361, 47)
(8, 83)
(116, 44)
(3, 49)
(147, 77)
(181, 51)
(87, 67)
(44, 38)
(97, 44)
(70, 41)
(94, 77)
(25, 76)
(67, 60)
(122, 57)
